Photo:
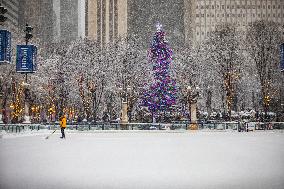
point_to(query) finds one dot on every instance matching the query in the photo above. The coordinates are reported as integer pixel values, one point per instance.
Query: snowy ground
(144, 160)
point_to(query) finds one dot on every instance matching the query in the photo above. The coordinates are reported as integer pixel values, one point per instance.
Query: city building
(69, 21)
(144, 15)
(13, 11)
(107, 20)
(39, 15)
(36, 13)
(206, 14)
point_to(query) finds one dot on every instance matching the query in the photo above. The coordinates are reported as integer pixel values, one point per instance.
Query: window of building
(274, 15)
(258, 6)
(273, 6)
(207, 6)
(244, 15)
(217, 6)
(201, 7)
(253, 15)
(217, 15)
(279, 6)
(268, 6)
(212, 15)
(263, 7)
(196, 6)
(223, 6)
(239, 15)
(202, 15)
(228, 7)
(268, 15)
(202, 33)
(258, 15)
(263, 15)
(223, 15)
(197, 33)
(208, 15)
(213, 7)
(197, 15)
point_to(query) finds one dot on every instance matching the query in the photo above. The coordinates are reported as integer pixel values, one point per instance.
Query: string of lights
(162, 93)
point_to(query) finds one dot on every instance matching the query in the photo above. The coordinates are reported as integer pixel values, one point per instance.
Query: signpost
(26, 63)
(26, 59)
(5, 46)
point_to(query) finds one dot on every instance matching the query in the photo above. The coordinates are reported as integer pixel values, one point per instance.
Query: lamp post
(93, 90)
(27, 119)
(124, 92)
(3, 11)
(1, 95)
(3, 18)
(192, 95)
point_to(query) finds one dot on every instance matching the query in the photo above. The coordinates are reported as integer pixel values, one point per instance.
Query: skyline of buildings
(107, 20)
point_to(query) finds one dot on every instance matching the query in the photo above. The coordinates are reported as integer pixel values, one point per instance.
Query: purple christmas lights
(162, 93)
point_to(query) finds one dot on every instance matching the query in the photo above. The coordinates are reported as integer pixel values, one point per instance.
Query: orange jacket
(63, 121)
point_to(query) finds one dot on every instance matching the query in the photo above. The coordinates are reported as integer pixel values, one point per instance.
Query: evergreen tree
(161, 95)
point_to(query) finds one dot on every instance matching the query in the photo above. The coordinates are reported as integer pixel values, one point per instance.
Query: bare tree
(224, 53)
(263, 41)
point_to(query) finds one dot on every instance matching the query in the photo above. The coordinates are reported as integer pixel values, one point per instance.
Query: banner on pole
(26, 59)
(282, 58)
(5, 46)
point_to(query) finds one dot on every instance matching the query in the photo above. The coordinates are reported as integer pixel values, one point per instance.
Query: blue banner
(26, 58)
(5, 46)
(282, 58)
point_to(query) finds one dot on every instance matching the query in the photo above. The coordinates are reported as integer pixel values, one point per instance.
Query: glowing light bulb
(159, 26)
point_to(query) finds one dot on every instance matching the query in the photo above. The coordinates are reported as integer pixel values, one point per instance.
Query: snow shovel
(50, 134)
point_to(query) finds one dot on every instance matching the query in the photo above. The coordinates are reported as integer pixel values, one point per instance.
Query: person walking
(62, 122)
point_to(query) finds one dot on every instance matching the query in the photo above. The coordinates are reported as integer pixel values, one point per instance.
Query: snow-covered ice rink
(144, 160)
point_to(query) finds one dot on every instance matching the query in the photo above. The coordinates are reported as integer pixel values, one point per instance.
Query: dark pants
(62, 132)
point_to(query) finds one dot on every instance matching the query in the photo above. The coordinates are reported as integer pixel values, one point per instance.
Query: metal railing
(240, 126)
(20, 127)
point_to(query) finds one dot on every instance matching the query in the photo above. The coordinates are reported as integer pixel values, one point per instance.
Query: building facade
(36, 13)
(13, 11)
(206, 14)
(68, 19)
(106, 20)
(69, 23)
(145, 14)
(39, 15)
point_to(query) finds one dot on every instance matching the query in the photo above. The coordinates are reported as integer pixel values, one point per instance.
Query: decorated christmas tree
(161, 95)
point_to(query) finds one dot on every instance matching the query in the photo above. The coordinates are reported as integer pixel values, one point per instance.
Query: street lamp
(192, 95)
(1, 95)
(93, 90)
(124, 93)
(3, 11)
(28, 36)
(3, 18)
